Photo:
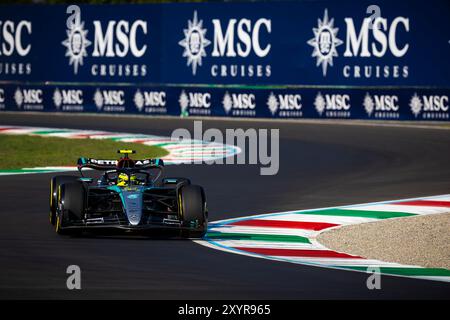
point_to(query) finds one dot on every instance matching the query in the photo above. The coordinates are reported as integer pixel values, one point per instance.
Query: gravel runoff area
(419, 240)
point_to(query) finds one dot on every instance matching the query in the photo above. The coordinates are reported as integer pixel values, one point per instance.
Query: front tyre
(71, 204)
(55, 182)
(192, 211)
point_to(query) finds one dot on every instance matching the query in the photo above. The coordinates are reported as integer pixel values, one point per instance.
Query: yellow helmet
(122, 179)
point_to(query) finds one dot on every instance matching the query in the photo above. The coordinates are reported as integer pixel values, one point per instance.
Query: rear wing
(103, 164)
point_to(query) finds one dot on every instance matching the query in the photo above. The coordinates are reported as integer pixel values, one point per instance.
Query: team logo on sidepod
(325, 42)
(194, 43)
(76, 44)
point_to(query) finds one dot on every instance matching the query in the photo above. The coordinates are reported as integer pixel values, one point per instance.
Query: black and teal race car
(129, 195)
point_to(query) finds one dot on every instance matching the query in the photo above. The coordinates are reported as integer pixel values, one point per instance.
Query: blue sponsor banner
(373, 104)
(306, 59)
(90, 99)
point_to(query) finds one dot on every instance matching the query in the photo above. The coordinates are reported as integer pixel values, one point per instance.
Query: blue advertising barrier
(307, 59)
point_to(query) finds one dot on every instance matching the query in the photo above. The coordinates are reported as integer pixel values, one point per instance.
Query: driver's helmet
(123, 180)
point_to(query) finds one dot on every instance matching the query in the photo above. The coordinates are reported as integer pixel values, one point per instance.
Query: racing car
(128, 195)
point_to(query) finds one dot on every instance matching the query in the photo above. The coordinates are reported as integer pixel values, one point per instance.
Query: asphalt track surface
(320, 165)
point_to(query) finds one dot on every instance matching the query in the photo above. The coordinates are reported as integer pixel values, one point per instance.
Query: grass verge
(17, 151)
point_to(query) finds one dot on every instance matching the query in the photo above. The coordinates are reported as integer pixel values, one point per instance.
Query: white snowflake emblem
(325, 42)
(139, 100)
(227, 102)
(76, 44)
(194, 43)
(368, 104)
(272, 103)
(18, 97)
(57, 98)
(319, 103)
(416, 104)
(98, 99)
(184, 101)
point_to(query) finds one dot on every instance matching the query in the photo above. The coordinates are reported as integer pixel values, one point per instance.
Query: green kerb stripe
(49, 132)
(359, 213)
(255, 237)
(163, 144)
(125, 137)
(408, 271)
(25, 170)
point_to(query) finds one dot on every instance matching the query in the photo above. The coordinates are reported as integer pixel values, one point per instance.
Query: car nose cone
(133, 206)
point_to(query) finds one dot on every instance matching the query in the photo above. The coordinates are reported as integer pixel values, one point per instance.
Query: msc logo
(236, 38)
(14, 41)
(195, 102)
(384, 103)
(11, 39)
(375, 38)
(28, 97)
(429, 105)
(109, 98)
(67, 97)
(149, 99)
(248, 36)
(118, 39)
(384, 35)
(333, 102)
(114, 39)
(240, 101)
(284, 102)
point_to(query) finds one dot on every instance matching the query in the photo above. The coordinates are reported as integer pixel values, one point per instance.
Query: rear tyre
(71, 204)
(192, 211)
(55, 182)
